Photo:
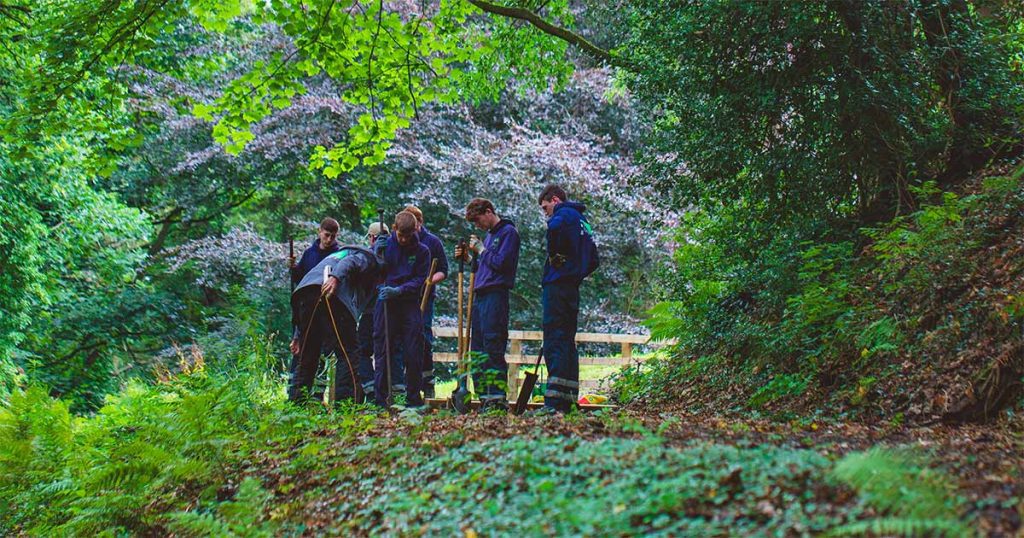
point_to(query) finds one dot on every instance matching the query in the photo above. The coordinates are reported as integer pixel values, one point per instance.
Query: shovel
(459, 396)
(529, 382)
(387, 323)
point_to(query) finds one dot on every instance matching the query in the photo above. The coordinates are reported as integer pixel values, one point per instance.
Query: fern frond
(197, 524)
(899, 526)
(915, 499)
(897, 480)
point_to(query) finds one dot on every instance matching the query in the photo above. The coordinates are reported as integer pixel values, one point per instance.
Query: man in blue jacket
(436, 248)
(324, 245)
(498, 259)
(571, 256)
(406, 264)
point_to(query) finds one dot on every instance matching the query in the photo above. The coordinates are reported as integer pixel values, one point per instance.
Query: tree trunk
(881, 188)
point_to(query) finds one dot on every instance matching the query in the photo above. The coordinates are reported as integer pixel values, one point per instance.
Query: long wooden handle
(428, 285)
(469, 318)
(460, 333)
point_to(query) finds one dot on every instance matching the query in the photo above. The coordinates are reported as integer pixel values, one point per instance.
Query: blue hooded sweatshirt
(564, 263)
(500, 259)
(436, 249)
(311, 258)
(406, 267)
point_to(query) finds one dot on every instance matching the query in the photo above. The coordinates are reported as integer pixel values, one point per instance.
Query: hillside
(919, 320)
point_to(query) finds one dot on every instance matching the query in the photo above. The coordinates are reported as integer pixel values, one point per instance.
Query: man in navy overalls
(436, 249)
(498, 259)
(406, 264)
(567, 263)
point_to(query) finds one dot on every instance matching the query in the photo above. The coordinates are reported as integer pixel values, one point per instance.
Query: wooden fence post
(515, 350)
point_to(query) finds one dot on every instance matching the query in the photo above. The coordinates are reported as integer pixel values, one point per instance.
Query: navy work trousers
(365, 350)
(398, 356)
(490, 337)
(405, 328)
(561, 304)
(428, 343)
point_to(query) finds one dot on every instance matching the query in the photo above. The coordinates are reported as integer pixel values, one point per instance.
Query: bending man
(328, 311)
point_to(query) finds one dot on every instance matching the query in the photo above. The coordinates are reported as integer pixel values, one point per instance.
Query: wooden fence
(517, 359)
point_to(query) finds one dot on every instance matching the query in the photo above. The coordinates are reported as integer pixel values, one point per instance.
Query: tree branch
(166, 223)
(8, 10)
(569, 37)
(120, 35)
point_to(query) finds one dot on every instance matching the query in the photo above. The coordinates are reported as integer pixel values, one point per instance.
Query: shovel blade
(529, 382)
(461, 396)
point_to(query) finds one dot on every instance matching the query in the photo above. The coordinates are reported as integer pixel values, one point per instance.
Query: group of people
(372, 305)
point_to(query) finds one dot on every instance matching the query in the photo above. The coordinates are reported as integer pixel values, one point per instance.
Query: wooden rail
(516, 358)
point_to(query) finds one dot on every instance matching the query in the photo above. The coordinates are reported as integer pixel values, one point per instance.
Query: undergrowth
(221, 453)
(609, 487)
(154, 458)
(557, 486)
(833, 320)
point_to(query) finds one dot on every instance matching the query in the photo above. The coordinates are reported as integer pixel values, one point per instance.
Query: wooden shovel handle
(428, 285)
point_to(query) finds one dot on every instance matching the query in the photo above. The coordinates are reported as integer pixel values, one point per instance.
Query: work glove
(387, 293)
(379, 245)
(476, 245)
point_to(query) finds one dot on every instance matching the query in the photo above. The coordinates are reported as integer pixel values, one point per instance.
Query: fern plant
(238, 517)
(915, 499)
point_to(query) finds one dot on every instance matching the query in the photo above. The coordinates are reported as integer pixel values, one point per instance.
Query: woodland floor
(410, 475)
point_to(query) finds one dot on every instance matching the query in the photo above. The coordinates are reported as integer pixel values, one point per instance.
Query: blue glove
(379, 245)
(387, 293)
